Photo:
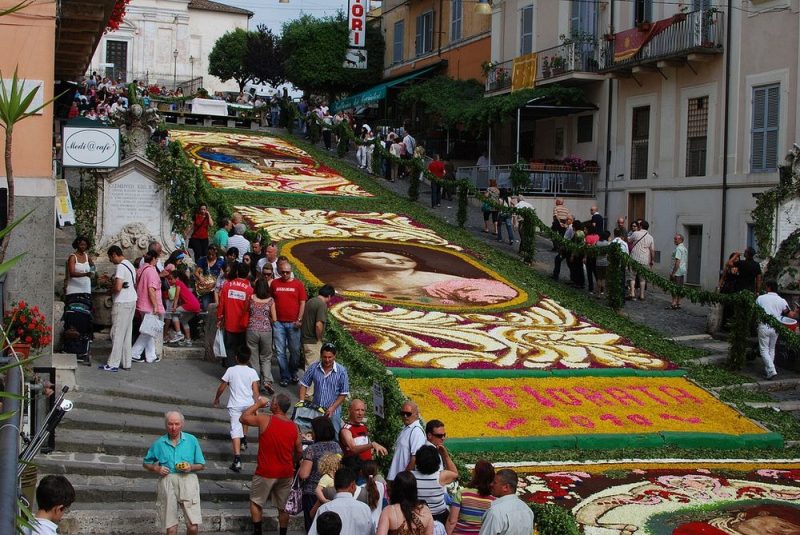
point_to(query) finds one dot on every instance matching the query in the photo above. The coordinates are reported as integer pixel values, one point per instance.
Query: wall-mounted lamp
(483, 7)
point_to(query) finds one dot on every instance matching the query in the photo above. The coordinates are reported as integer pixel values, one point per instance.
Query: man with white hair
(175, 457)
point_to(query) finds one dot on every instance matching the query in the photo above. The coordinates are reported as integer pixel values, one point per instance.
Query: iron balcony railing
(696, 32)
(498, 77)
(573, 56)
(544, 183)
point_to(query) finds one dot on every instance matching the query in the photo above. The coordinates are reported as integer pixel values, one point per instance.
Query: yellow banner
(573, 406)
(524, 71)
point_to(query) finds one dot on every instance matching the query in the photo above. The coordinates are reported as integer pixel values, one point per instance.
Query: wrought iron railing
(498, 77)
(541, 183)
(574, 56)
(698, 31)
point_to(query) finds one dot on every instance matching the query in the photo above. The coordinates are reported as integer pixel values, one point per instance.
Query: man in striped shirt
(331, 384)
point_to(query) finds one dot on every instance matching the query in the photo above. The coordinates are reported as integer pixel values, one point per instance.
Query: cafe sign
(90, 147)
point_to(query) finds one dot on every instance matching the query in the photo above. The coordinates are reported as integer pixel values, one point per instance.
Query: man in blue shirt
(175, 457)
(331, 384)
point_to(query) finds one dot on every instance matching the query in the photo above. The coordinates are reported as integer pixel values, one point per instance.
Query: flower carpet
(261, 163)
(455, 322)
(671, 496)
(596, 412)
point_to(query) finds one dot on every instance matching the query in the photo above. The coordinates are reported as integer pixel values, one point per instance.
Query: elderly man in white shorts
(175, 457)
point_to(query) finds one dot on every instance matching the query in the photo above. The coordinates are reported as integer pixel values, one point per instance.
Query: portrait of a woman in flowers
(401, 271)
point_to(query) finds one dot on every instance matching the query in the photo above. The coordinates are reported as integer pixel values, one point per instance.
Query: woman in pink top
(148, 301)
(184, 307)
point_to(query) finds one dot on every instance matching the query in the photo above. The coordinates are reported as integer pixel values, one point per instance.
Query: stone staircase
(100, 445)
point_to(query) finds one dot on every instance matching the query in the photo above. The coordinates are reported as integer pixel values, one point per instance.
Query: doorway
(636, 205)
(694, 243)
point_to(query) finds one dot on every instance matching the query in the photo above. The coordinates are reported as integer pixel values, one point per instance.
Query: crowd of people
(334, 480)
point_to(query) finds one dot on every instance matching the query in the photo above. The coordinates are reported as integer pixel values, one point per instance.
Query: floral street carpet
(261, 163)
(464, 315)
(671, 496)
(639, 407)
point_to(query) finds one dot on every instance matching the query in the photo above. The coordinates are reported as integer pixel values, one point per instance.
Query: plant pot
(22, 350)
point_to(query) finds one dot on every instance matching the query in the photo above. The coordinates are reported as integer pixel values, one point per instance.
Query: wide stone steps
(136, 445)
(139, 518)
(116, 404)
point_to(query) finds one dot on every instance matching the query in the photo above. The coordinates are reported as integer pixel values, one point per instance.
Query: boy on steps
(54, 495)
(243, 382)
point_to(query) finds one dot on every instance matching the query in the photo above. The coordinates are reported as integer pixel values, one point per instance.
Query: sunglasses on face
(285, 272)
(439, 435)
(405, 414)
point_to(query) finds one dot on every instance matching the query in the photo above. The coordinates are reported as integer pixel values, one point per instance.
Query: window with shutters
(640, 142)
(764, 130)
(424, 43)
(455, 20)
(526, 30)
(397, 43)
(697, 136)
(642, 11)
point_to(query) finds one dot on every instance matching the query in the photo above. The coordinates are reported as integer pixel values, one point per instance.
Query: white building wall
(154, 29)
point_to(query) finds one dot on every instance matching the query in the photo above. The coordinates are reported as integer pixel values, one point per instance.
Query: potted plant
(27, 328)
(558, 65)
(546, 68)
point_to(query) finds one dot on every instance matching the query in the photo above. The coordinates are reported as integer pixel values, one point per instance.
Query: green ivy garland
(84, 202)
(766, 205)
(618, 261)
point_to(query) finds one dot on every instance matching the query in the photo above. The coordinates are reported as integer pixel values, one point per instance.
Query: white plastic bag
(152, 325)
(219, 345)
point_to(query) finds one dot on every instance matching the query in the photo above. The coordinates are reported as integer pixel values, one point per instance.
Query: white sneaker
(177, 337)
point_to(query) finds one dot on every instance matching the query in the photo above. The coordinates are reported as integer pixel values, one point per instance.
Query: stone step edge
(142, 396)
(97, 405)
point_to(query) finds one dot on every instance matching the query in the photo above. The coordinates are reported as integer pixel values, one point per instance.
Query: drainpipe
(9, 446)
(439, 52)
(610, 114)
(725, 137)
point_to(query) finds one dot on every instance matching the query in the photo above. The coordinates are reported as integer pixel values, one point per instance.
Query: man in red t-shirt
(233, 312)
(278, 447)
(354, 436)
(436, 168)
(290, 302)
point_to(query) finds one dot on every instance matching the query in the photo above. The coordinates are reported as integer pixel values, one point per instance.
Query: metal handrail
(701, 31)
(541, 183)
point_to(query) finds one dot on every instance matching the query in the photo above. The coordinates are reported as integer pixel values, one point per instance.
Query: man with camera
(123, 290)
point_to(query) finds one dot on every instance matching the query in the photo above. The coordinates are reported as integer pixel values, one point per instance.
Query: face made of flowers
(382, 261)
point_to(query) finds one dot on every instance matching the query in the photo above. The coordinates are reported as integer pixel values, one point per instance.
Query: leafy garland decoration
(620, 262)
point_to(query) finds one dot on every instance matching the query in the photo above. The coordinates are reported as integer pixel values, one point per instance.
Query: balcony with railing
(575, 58)
(543, 180)
(498, 76)
(682, 37)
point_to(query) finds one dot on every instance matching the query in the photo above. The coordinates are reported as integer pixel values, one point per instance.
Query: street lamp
(175, 69)
(483, 7)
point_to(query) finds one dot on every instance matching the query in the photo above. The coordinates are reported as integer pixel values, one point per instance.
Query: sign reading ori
(90, 147)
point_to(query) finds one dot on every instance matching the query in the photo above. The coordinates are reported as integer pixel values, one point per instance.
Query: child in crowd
(328, 465)
(54, 495)
(602, 264)
(185, 306)
(243, 382)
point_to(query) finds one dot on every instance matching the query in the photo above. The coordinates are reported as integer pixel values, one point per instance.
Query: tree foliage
(437, 95)
(264, 58)
(228, 58)
(315, 50)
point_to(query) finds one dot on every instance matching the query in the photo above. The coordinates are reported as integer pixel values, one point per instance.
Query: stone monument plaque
(788, 221)
(132, 209)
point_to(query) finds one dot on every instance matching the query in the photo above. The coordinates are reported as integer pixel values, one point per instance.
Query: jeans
(436, 194)
(505, 220)
(286, 333)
